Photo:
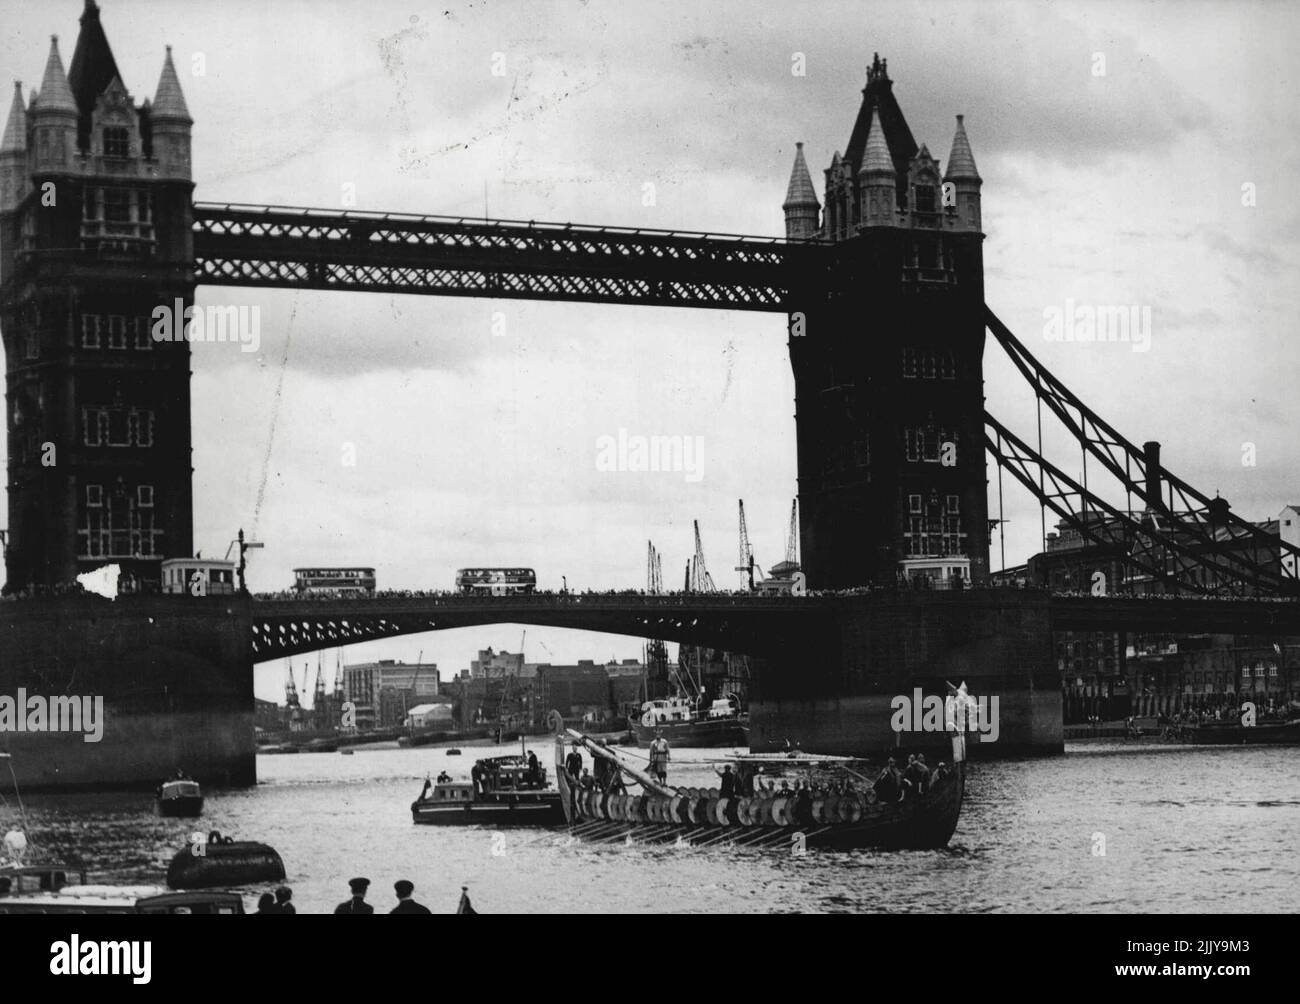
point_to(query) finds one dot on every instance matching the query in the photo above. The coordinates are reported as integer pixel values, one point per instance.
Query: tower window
(90, 331)
(953, 504)
(144, 496)
(138, 332)
(117, 205)
(90, 426)
(116, 331)
(94, 496)
(117, 427)
(914, 503)
(925, 198)
(117, 142)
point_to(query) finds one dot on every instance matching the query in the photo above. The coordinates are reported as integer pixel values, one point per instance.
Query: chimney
(1151, 459)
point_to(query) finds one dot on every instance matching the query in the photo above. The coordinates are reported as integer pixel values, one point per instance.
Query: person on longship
(659, 757)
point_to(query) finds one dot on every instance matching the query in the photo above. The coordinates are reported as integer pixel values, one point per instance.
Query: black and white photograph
(587, 458)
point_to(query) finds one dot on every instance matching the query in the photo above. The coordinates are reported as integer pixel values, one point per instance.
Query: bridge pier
(175, 675)
(835, 691)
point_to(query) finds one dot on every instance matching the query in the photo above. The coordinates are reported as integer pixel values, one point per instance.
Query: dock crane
(746, 552)
(787, 568)
(654, 570)
(506, 677)
(699, 579)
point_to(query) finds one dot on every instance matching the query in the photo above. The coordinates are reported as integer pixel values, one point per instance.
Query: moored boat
(45, 889)
(222, 861)
(180, 797)
(501, 791)
(682, 723)
(1233, 733)
(835, 809)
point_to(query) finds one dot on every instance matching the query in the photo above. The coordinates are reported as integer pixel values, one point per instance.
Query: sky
(1133, 154)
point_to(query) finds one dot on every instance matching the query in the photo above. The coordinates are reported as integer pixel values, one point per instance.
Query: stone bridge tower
(95, 233)
(889, 367)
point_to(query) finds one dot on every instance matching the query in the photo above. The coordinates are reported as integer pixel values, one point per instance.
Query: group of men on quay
(279, 902)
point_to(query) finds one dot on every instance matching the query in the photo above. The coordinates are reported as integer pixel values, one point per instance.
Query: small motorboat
(453, 752)
(346, 752)
(223, 861)
(502, 791)
(180, 797)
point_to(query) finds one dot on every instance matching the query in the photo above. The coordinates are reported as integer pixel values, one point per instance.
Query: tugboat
(502, 791)
(180, 796)
(830, 804)
(684, 723)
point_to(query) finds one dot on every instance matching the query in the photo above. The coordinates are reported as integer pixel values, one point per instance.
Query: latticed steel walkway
(236, 245)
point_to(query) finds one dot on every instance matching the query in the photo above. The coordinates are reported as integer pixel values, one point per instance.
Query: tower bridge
(882, 282)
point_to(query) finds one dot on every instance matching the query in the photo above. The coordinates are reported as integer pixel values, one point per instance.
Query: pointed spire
(961, 162)
(56, 95)
(169, 102)
(15, 135)
(800, 191)
(875, 158)
(93, 66)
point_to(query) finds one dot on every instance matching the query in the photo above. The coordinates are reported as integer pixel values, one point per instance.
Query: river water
(1101, 829)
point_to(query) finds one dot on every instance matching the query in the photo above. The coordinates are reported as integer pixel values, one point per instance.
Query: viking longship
(837, 807)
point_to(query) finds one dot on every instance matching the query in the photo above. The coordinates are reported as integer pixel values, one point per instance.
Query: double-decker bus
(334, 582)
(496, 581)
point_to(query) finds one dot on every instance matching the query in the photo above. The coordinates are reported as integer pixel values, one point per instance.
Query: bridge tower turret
(95, 219)
(889, 367)
(802, 210)
(964, 179)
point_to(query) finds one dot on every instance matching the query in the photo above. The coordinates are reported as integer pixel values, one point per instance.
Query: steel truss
(236, 245)
(1183, 532)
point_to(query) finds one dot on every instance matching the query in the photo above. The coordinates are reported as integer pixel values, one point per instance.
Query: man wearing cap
(357, 904)
(405, 904)
(283, 895)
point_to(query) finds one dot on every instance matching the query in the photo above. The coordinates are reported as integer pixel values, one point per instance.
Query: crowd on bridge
(577, 596)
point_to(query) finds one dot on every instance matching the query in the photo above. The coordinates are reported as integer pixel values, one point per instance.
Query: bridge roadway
(284, 626)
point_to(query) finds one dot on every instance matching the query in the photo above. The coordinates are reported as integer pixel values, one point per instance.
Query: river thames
(1101, 829)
